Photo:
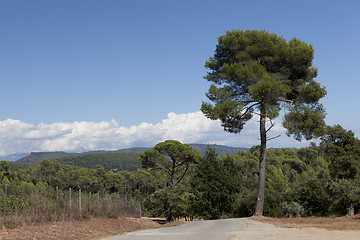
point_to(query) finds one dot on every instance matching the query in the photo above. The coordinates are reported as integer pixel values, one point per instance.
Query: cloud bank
(20, 137)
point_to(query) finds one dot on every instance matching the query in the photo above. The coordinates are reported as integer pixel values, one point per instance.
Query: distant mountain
(134, 149)
(38, 156)
(115, 161)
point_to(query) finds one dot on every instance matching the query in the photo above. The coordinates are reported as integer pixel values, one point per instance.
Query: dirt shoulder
(296, 229)
(338, 223)
(86, 229)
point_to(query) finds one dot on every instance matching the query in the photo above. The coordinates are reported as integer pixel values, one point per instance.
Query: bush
(292, 209)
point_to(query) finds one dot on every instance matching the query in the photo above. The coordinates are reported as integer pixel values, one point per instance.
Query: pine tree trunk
(168, 210)
(172, 176)
(262, 168)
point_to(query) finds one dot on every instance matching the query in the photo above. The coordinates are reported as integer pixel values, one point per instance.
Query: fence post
(139, 208)
(98, 203)
(5, 202)
(24, 204)
(57, 202)
(80, 204)
(118, 204)
(70, 207)
(90, 203)
(41, 204)
(112, 203)
(106, 204)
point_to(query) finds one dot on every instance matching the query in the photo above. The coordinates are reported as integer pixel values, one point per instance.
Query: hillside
(38, 156)
(115, 161)
(134, 149)
(130, 150)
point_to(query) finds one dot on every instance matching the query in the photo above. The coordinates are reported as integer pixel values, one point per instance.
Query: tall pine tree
(259, 73)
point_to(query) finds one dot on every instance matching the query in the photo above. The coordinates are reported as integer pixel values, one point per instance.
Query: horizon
(18, 156)
(147, 147)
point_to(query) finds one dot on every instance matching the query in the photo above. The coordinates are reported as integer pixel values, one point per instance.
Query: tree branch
(272, 124)
(268, 139)
(284, 100)
(183, 175)
(248, 108)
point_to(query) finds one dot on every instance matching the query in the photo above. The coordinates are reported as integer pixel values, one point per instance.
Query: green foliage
(248, 165)
(304, 120)
(277, 190)
(307, 155)
(215, 183)
(170, 203)
(314, 195)
(4, 170)
(342, 151)
(156, 204)
(110, 161)
(172, 158)
(256, 70)
(346, 195)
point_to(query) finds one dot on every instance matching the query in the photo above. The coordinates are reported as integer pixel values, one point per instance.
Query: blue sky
(133, 62)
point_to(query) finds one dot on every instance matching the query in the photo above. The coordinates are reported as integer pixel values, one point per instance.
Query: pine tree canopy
(259, 72)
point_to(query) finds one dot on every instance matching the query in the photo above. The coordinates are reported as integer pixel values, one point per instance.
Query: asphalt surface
(195, 230)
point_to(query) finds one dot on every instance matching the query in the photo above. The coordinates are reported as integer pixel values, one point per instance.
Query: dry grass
(71, 230)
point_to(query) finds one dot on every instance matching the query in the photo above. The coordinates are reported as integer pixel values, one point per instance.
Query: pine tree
(259, 73)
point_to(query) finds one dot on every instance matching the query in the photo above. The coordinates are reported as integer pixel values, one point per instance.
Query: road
(195, 230)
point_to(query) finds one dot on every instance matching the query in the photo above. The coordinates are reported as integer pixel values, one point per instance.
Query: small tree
(215, 183)
(259, 73)
(173, 159)
(292, 209)
(4, 169)
(342, 150)
(346, 191)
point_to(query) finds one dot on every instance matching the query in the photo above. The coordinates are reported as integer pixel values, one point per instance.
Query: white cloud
(21, 137)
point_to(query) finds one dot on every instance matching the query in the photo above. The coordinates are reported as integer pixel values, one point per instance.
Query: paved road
(196, 230)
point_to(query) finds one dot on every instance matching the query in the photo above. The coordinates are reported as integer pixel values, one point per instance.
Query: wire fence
(30, 206)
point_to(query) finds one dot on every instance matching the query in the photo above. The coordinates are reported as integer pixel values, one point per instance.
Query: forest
(321, 180)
